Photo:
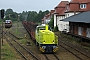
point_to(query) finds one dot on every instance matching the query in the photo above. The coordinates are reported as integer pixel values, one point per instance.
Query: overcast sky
(29, 5)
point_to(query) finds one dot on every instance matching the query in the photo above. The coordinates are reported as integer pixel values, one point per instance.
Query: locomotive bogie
(48, 48)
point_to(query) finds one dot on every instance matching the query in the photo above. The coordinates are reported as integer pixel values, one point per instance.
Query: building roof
(52, 11)
(81, 17)
(74, 5)
(62, 4)
(48, 15)
(80, 1)
(61, 7)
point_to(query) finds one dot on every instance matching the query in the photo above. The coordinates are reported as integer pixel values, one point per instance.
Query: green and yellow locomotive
(46, 40)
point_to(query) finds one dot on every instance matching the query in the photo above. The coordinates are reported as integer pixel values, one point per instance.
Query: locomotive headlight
(53, 41)
(44, 47)
(44, 41)
(54, 47)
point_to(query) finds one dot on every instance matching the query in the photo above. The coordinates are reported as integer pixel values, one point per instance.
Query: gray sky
(29, 5)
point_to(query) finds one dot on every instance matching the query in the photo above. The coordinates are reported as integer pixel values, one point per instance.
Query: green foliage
(36, 17)
(9, 11)
(25, 15)
(51, 23)
(11, 15)
(8, 53)
(56, 28)
(31, 16)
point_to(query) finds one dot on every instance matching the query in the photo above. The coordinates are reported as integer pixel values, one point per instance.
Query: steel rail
(16, 48)
(26, 49)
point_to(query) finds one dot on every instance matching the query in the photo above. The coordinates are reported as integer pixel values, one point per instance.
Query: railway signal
(2, 13)
(2, 16)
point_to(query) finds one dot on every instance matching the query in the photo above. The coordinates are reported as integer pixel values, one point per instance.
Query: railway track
(47, 56)
(25, 53)
(80, 55)
(51, 57)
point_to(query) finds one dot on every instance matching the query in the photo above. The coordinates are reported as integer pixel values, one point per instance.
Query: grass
(8, 53)
(25, 42)
(16, 31)
(75, 40)
(22, 41)
(70, 38)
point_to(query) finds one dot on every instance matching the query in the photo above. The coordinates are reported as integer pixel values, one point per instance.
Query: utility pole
(9, 16)
(17, 23)
(2, 16)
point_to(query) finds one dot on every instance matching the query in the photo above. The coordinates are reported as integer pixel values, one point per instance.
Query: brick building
(80, 24)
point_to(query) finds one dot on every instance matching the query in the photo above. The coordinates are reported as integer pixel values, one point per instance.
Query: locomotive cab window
(7, 21)
(42, 28)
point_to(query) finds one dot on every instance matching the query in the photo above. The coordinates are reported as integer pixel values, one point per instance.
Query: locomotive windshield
(43, 28)
(8, 21)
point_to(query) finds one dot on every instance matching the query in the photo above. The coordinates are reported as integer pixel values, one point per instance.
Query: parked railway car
(8, 23)
(46, 39)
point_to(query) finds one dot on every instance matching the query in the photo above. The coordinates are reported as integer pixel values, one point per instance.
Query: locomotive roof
(7, 20)
(41, 25)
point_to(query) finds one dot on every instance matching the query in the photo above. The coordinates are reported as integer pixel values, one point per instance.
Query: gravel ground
(61, 53)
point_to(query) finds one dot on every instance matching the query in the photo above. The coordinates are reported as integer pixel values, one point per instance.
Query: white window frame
(82, 6)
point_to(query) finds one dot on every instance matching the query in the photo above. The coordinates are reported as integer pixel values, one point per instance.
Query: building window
(82, 6)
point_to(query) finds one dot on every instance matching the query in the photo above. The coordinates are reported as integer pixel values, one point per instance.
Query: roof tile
(80, 1)
(61, 7)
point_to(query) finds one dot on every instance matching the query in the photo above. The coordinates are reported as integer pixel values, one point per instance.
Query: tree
(32, 16)
(9, 11)
(23, 16)
(36, 17)
(11, 15)
(56, 28)
(41, 14)
(51, 23)
(26, 16)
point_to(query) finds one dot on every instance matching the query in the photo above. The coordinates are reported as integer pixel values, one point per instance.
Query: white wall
(55, 20)
(62, 24)
(70, 14)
